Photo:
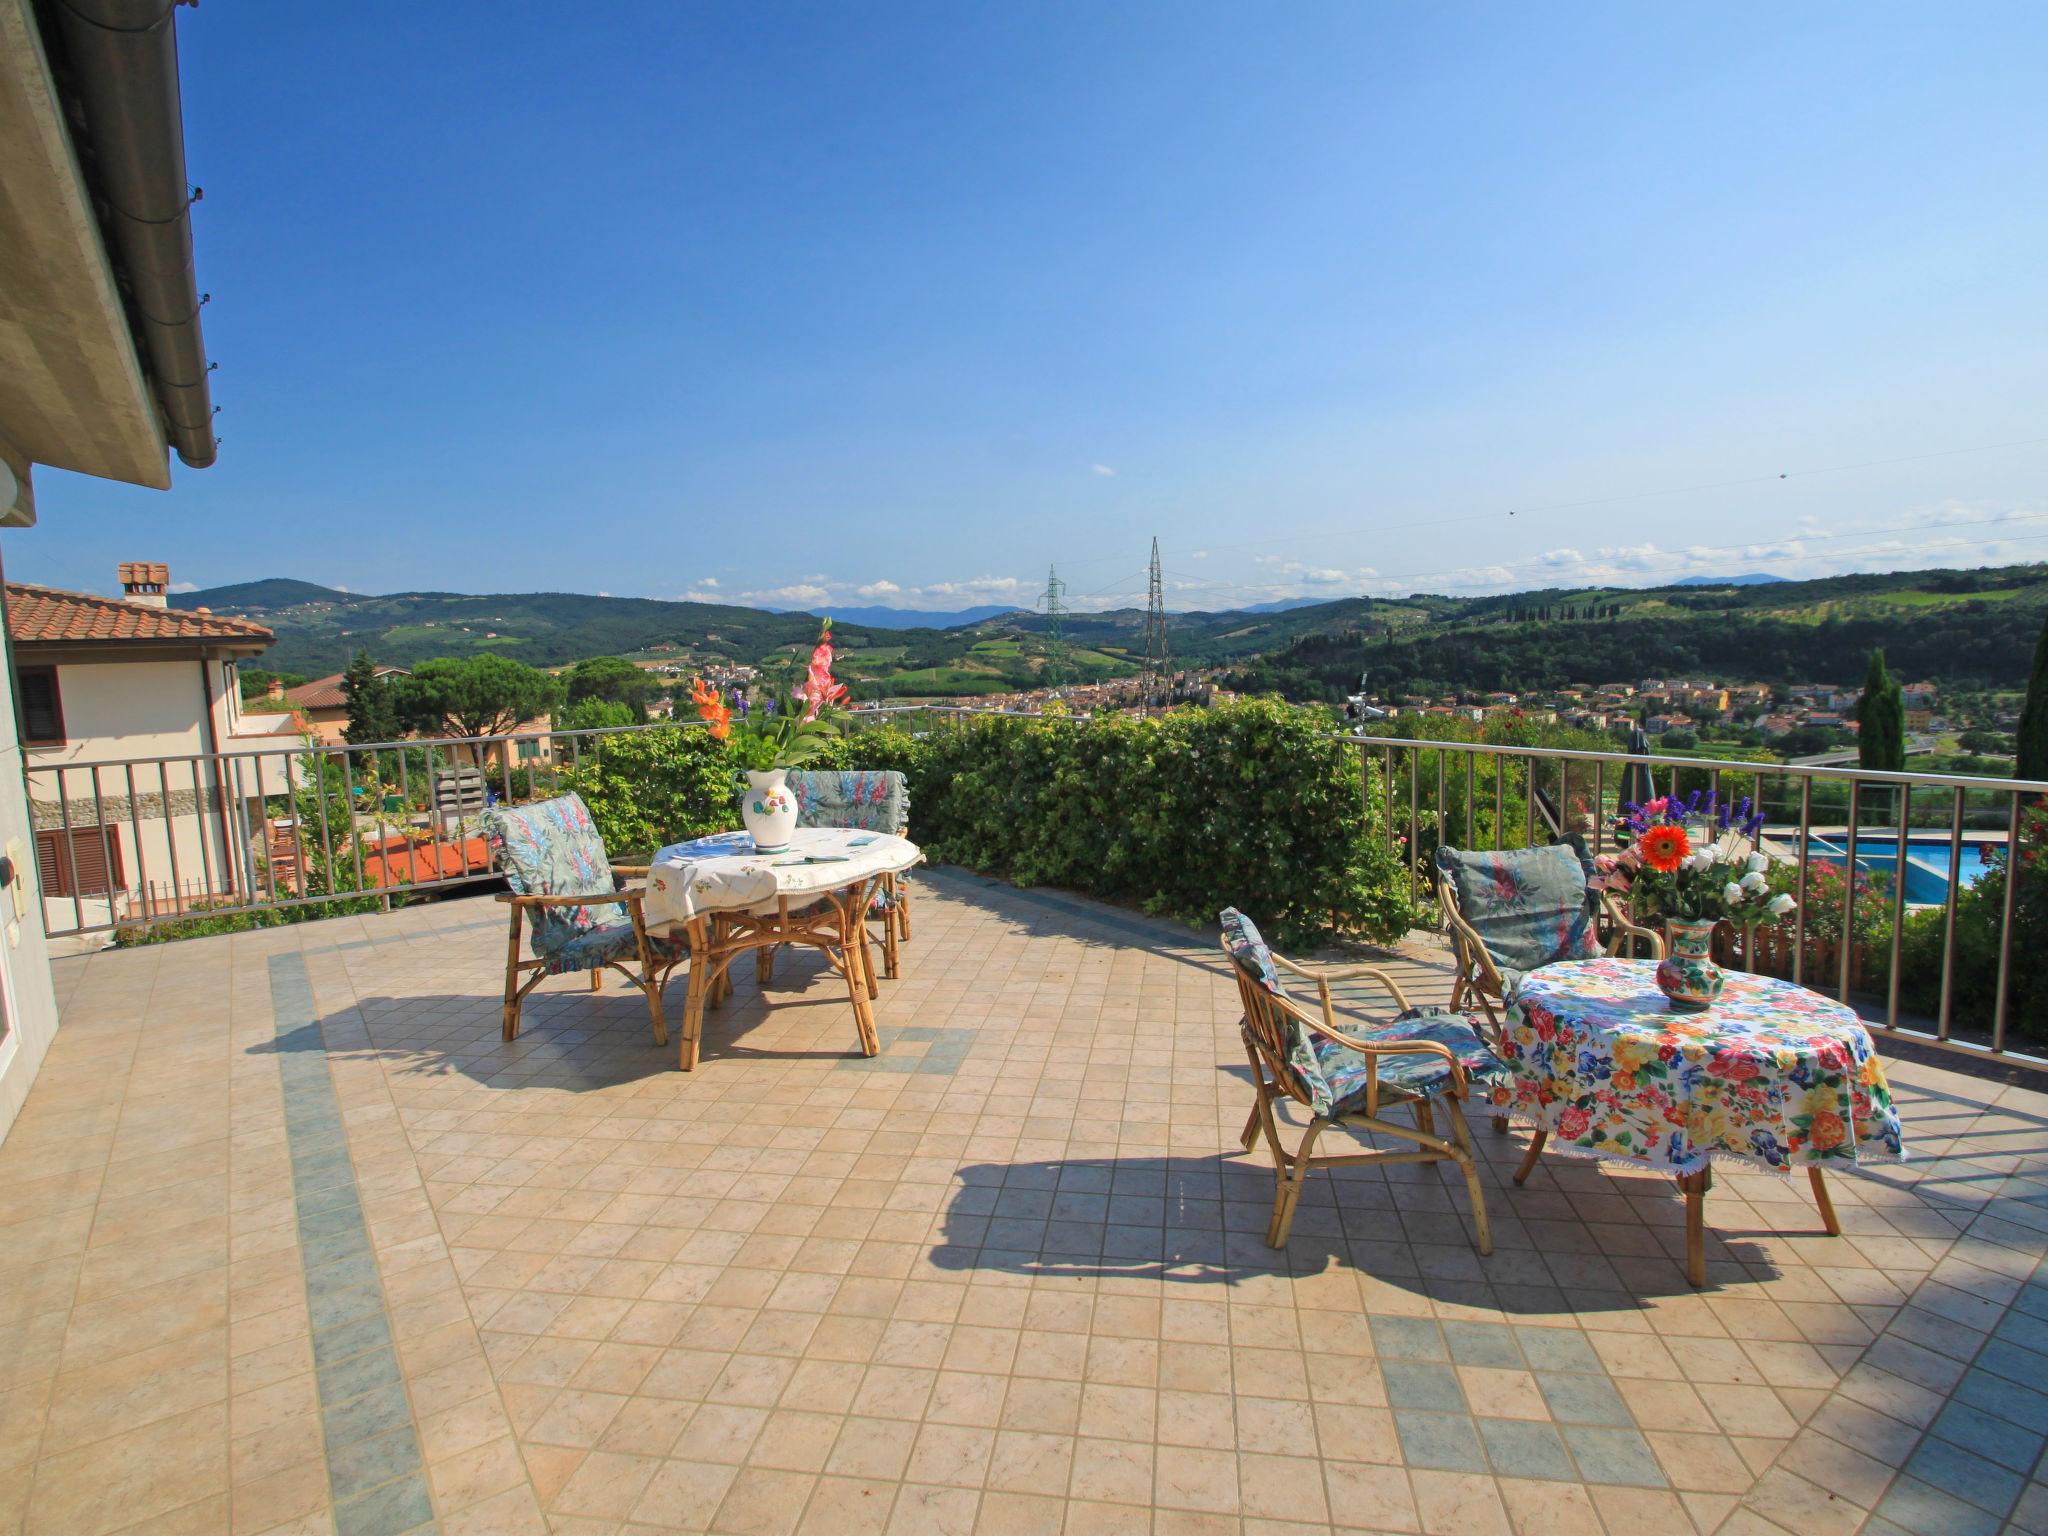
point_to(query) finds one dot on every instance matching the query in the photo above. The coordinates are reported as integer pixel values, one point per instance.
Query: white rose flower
(1758, 863)
(1780, 905)
(1732, 894)
(1754, 881)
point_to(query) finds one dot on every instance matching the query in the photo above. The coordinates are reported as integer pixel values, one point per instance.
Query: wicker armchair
(869, 800)
(1508, 912)
(1421, 1059)
(584, 917)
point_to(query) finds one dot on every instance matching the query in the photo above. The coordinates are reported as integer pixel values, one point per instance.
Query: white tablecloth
(723, 873)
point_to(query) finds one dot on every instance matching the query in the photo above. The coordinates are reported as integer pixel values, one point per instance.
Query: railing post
(2012, 887)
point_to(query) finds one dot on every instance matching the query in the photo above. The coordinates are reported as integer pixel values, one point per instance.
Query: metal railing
(134, 842)
(1852, 932)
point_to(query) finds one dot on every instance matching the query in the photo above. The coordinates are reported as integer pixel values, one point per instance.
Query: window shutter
(87, 859)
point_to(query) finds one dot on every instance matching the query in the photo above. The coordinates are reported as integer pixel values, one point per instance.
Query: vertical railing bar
(1599, 806)
(1415, 817)
(1389, 799)
(1500, 804)
(1849, 888)
(404, 823)
(1891, 1011)
(2012, 886)
(1471, 800)
(1443, 793)
(1805, 855)
(1948, 916)
(135, 832)
(291, 800)
(99, 816)
(318, 760)
(70, 848)
(348, 804)
(163, 786)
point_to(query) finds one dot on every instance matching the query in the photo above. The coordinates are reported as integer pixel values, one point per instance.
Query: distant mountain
(1754, 579)
(1284, 604)
(911, 618)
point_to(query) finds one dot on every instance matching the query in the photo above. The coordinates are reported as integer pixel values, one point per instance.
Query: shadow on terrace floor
(1201, 1220)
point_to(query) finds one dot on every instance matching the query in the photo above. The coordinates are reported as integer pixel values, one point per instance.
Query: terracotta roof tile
(327, 692)
(45, 615)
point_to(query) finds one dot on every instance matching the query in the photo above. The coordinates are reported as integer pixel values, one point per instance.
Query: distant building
(324, 705)
(152, 692)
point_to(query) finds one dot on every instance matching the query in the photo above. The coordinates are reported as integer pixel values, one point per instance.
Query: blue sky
(815, 305)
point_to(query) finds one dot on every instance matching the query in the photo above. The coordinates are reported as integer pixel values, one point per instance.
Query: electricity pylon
(1055, 625)
(1158, 660)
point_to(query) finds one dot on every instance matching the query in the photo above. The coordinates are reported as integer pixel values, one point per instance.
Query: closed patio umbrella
(1637, 786)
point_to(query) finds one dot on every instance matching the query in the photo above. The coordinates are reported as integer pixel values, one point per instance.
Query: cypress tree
(2033, 738)
(1881, 719)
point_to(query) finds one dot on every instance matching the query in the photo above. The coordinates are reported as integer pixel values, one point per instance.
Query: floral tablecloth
(724, 872)
(1773, 1073)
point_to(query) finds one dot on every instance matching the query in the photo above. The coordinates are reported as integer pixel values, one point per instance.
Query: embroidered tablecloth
(724, 873)
(1773, 1073)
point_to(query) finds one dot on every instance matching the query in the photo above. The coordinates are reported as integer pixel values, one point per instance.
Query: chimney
(145, 582)
(276, 689)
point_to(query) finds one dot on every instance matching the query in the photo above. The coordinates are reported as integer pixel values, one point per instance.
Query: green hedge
(1252, 804)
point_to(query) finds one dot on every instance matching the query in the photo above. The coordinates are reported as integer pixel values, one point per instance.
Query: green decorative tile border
(374, 1471)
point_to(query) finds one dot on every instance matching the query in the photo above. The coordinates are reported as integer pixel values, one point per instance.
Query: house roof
(49, 616)
(327, 692)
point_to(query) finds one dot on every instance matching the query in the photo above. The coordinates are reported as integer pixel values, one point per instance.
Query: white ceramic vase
(768, 809)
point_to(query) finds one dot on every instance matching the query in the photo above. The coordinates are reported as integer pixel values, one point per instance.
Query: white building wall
(28, 1002)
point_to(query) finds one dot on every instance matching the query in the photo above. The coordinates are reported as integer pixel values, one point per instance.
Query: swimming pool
(1926, 863)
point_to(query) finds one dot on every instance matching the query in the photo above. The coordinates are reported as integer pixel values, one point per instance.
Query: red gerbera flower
(1665, 848)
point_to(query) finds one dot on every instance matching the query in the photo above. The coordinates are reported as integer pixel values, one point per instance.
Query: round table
(1773, 1074)
(727, 897)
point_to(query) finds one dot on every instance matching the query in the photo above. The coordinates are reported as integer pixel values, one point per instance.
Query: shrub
(1980, 912)
(1250, 804)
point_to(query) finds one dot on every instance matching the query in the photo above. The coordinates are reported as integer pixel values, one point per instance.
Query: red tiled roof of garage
(47, 615)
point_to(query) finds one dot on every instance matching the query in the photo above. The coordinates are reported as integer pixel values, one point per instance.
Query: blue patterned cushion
(1343, 1070)
(1248, 949)
(594, 947)
(871, 800)
(1527, 904)
(551, 848)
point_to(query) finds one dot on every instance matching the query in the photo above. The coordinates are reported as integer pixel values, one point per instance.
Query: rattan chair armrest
(1323, 975)
(631, 870)
(630, 897)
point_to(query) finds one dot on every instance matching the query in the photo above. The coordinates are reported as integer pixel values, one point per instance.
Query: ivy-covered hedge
(1252, 804)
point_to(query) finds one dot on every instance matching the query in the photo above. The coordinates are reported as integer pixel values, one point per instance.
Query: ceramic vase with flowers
(768, 738)
(1695, 864)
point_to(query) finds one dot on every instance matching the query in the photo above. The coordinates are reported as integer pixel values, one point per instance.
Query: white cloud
(708, 581)
(879, 589)
(980, 586)
(800, 593)
(602, 593)
(189, 586)
(1103, 469)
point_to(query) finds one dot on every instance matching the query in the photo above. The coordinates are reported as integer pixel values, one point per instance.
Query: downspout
(209, 742)
(121, 58)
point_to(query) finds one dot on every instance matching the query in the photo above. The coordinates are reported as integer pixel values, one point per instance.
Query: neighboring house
(103, 368)
(324, 705)
(152, 692)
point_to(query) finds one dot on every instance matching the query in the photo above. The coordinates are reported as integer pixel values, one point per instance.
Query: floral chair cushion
(595, 947)
(1344, 1070)
(1528, 904)
(551, 848)
(1249, 950)
(871, 800)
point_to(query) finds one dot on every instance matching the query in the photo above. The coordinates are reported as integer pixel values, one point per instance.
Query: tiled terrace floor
(292, 1242)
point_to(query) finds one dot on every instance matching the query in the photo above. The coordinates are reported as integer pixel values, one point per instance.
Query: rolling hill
(1958, 627)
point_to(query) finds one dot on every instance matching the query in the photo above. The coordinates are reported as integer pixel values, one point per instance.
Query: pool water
(1926, 863)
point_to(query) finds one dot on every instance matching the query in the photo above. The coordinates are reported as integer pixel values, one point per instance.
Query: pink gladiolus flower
(819, 690)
